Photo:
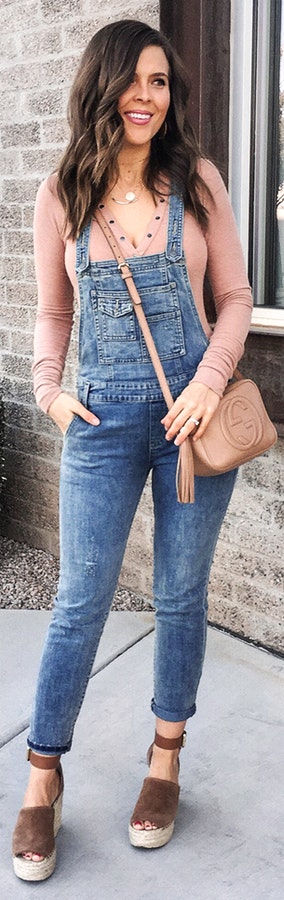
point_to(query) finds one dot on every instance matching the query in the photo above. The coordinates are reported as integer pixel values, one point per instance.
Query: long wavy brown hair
(90, 162)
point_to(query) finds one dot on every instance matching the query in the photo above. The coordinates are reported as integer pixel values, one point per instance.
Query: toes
(150, 826)
(144, 826)
(33, 856)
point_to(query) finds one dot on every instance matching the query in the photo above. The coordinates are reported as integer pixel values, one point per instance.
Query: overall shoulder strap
(174, 250)
(82, 249)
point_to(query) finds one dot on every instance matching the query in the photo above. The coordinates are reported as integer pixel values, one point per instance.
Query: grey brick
(59, 71)
(27, 216)
(29, 442)
(22, 463)
(9, 162)
(9, 46)
(10, 215)
(39, 490)
(20, 76)
(29, 269)
(20, 342)
(278, 513)
(18, 366)
(17, 389)
(17, 13)
(23, 191)
(242, 622)
(10, 107)
(44, 425)
(77, 35)
(5, 339)
(11, 269)
(22, 135)
(29, 534)
(42, 515)
(45, 470)
(42, 103)
(56, 11)
(18, 242)
(21, 292)
(19, 415)
(39, 161)
(43, 43)
(55, 131)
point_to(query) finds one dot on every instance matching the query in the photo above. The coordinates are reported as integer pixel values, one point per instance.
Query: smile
(138, 118)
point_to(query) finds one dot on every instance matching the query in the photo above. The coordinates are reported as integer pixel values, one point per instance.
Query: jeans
(103, 472)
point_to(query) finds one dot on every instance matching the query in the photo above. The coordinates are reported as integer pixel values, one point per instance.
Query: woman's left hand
(196, 402)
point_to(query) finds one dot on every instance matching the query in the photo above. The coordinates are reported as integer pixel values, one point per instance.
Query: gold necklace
(130, 197)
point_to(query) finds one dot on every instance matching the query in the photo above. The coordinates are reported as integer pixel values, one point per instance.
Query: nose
(142, 91)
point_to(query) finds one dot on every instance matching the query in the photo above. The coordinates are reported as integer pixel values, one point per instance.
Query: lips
(138, 118)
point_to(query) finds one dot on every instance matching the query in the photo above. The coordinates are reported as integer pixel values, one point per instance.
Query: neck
(131, 164)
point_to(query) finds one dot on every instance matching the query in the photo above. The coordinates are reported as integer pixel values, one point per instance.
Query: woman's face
(144, 105)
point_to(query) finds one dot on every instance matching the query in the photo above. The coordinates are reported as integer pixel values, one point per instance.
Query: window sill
(267, 320)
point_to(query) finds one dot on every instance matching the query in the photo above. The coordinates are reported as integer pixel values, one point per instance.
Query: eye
(161, 82)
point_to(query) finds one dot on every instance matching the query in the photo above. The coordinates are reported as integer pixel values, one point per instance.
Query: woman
(133, 155)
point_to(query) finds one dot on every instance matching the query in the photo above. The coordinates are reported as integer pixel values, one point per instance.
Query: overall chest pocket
(162, 310)
(116, 328)
(119, 337)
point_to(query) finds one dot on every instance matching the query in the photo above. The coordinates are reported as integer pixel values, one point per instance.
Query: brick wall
(247, 577)
(40, 41)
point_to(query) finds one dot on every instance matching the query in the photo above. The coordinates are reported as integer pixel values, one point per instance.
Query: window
(257, 151)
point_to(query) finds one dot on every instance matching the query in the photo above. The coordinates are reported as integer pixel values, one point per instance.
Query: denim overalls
(103, 471)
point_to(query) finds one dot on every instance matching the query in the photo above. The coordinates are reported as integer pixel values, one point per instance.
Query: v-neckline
(151, 229)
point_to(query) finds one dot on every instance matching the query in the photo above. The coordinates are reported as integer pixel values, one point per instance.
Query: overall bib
(103, 472)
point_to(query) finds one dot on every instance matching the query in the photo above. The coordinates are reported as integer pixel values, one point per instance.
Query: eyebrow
(157, 74)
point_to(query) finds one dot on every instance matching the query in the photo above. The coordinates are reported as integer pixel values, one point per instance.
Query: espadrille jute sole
(157, 802)
(27, 869)
(155, 837)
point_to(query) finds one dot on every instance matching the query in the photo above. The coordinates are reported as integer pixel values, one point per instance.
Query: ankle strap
(170, 743)
(42, 762)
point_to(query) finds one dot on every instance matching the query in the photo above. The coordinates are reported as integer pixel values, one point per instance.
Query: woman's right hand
(63, 409)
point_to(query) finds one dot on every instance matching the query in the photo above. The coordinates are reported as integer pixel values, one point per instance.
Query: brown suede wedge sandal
(157, 803)
(36, 829)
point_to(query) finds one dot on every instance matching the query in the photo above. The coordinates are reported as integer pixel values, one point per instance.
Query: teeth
(138, 116)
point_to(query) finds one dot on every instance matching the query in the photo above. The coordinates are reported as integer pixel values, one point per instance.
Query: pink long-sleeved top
(217, 249)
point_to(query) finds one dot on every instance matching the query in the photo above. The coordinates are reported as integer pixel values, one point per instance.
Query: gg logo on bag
(241, 425)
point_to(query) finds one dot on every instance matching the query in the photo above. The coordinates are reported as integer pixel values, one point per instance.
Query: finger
(183, 424)
(85, 414)
(175, 419)
(178, 415)
(189, 428)
(203, 425)
(171, 415)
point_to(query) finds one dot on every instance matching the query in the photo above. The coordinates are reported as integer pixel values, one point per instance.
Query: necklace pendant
(130, 197)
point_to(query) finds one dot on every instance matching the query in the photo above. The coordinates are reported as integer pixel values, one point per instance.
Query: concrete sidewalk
(228, 839)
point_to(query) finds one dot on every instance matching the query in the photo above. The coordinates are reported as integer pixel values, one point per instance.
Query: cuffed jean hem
(172, 717)
(48, 751)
